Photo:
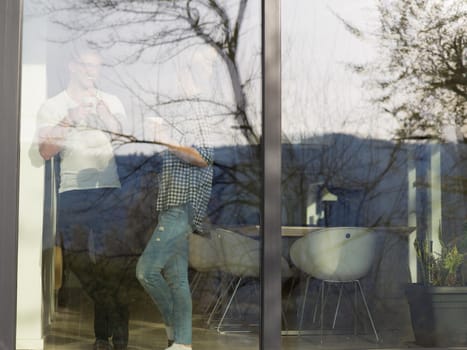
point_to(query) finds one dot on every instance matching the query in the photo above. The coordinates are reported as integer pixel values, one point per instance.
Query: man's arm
(51, 139)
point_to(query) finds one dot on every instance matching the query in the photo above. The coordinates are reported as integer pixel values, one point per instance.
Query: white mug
(156, 129)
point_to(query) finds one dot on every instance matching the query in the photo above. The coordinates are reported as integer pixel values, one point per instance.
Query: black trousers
(91, 226)
(109, 282)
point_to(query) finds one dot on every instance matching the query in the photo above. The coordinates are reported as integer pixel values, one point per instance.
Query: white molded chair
(203, 257)
(335, 255)
(240, 258)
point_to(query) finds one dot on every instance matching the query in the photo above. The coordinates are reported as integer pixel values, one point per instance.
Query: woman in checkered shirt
(184, 190)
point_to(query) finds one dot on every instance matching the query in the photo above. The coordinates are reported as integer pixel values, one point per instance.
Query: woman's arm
(188, 154)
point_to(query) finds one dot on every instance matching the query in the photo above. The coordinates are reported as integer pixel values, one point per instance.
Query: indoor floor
(71, 329)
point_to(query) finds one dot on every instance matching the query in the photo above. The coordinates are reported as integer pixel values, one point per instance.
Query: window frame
(270, 335)
(10, 82)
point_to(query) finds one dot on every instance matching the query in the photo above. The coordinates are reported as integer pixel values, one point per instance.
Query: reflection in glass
(116, 94)
(373, 116)
(77, 125)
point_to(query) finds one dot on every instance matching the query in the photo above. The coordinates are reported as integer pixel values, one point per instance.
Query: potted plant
(438, 304)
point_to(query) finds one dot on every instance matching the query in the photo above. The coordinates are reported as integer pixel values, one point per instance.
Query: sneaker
(102, 345)
(175, 346)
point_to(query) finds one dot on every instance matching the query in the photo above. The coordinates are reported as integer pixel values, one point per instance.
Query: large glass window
(140, 174)
(140, 204)
(372, 181)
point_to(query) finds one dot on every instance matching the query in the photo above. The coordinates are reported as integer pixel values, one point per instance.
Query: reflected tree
(157, 31)
(419, 77)
(420, 73)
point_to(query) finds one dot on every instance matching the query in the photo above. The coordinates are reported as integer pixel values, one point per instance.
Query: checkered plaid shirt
(182, 183)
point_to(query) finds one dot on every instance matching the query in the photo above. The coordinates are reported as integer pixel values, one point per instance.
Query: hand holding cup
(157, 130)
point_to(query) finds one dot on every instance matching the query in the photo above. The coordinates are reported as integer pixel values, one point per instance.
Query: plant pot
(439, 315)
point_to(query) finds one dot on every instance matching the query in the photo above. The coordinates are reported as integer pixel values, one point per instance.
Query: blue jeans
(162, 270)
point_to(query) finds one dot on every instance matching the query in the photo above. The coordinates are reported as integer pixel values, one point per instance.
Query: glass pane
(139, 211)
(373, 173)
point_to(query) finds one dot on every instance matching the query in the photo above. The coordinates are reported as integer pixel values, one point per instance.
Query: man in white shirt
(79, 125)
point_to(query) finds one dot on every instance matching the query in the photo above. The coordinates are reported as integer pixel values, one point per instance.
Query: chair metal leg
(284, 320)
(303, 304)
(322, 312)
(219, 290)
(228, 305)
(321, 293)
(195, 281)
(317, 303)
(219, 300)
(355, 305)
(285, 306)
(323, 296)
(338, 305)
(289, 295)
(368, 310)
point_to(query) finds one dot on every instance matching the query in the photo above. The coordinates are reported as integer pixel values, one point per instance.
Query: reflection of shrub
(439, 269)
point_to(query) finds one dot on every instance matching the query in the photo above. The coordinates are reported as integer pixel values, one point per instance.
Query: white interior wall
(31, 193)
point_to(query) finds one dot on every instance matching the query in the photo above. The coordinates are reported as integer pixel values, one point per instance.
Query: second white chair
(335, 255)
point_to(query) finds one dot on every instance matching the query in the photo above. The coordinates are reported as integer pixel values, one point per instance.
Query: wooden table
(299, 231)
